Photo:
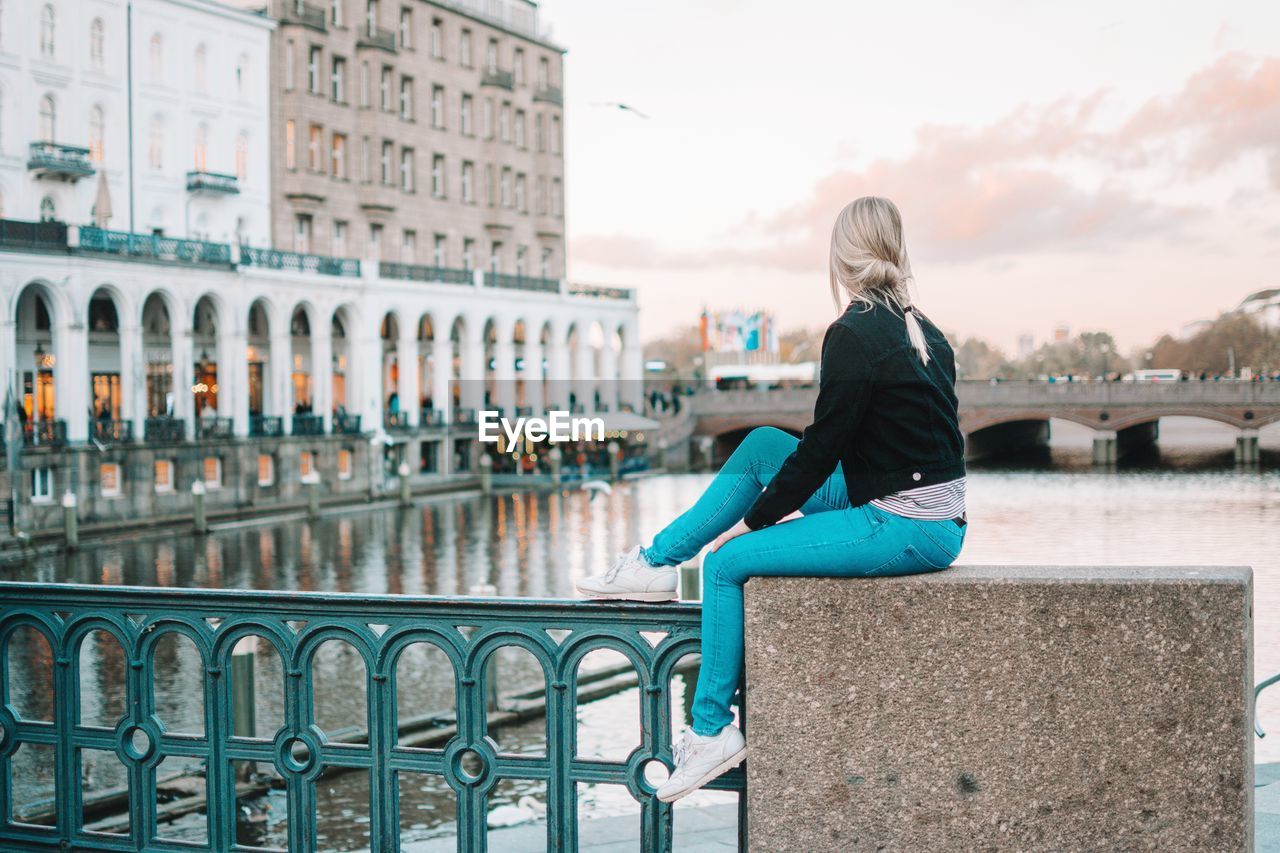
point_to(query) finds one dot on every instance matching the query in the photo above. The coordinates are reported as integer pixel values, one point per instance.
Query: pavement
(714, 829)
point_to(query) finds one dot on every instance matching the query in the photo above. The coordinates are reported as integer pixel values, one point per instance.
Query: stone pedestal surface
(1002, 708)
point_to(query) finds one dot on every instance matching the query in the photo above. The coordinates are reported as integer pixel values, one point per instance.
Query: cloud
(1048, 177)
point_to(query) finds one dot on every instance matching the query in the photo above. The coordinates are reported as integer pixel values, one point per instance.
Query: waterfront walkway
(714, 829)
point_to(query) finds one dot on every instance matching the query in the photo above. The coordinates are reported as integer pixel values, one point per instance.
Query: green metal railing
(252, 256)
(153, 246)
(380, 628)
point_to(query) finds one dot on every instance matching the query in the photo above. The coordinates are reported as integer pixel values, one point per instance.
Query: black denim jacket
(889, 420)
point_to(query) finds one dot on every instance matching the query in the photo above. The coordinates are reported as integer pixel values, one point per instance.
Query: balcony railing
(111, 432)
(60, 162)
(292, 12)
(308, 425)
(345, 424)
(293, 625)
(521, 282)
(598, 292)
(419, 272)
(50, 433)
(431, 418)
(397, 421)
(164, 430)
(33, 236)
(500, 79)
(378, 38)
(153, 246)
(549, 95)
(266, 426)
(214, 428)
(298, 262)
(213, 183)
(464, 416)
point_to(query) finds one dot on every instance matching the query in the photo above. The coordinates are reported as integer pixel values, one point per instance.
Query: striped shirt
(928, 503)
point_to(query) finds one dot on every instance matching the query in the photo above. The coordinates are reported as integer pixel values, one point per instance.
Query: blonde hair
(869, 263)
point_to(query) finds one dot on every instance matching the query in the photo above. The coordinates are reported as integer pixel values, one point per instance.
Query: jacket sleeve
(844, 391)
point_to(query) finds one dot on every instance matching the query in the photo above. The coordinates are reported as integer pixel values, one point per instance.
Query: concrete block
(1002, 708)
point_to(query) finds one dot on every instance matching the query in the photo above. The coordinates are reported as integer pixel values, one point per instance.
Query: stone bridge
(1010, 415)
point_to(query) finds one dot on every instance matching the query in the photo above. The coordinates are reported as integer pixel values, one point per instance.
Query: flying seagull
(624, 107)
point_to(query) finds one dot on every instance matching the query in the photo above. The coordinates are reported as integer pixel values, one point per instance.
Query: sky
(1098, 164)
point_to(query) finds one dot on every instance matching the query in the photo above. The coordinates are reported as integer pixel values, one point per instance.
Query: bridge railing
(1022, 393)
(469, 632)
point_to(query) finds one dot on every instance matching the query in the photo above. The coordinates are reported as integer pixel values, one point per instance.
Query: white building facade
(196, 117)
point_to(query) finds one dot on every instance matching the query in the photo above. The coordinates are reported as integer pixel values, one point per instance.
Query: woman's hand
(732, 533)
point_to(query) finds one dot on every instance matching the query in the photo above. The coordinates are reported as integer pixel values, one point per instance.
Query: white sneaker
(701, 759)
(632, 579)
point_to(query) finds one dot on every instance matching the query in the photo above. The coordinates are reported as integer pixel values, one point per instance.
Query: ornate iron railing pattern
(33, 236)
(154, 246)
(421, 272)
(521, 282)
(596, 291)
(274, 259)
(212, 182)
(380, 628)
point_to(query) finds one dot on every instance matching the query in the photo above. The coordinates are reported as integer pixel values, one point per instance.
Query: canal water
(1182, 503)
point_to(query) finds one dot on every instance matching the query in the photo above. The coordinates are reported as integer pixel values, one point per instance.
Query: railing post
(406, 487)
(243, 700)
(198, 519)
(70, 521)
(311, 483)
(486, 473)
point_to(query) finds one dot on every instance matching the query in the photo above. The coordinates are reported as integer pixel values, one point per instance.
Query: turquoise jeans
(832, 540)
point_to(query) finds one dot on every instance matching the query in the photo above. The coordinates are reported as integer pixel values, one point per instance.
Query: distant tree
(1234, 339)
(977, 359)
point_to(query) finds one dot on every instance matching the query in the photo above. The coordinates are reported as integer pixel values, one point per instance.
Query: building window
(544, 72)
(468, 182)
(242, 75)
(338, 80)
(437, 176)
(211, 470)
(200, 70)
(41, 485)
(520, 129)
(155, 144)
(406, 169)
(488, 118)
(384, 89)
(306, 463)
(109, 479)
(46, 31)
(506, 187)
(97, 43)
(371, 16)
(504, 122)
(302, 233)
(406, 98)
(313, 71)
(427, 453)
(344, 464)
(338, 156)
(48, 118)
(409, 246)
(315, 148)
(557, 198)
(464, 48)
(437, 106)
(539, 133)
(242, 157)
(335, 12)
(520, 195)
(266, 469)
(290, 57)
(366, 151)
(96, 131)
(375, 241)
(540, 196)
(339, 247)
(468, 254)
(556, 139)
(546, 263)
(438, 244)
(490, 186)
(364, 84)
(406, 27)
(467, 126)
(387, 150)
(495, 257)
(491, 56)
(290, 144)
(157, 58)
(521, 256)
(200, 160)
(163, 475)
(48, 210)
(517, 67)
